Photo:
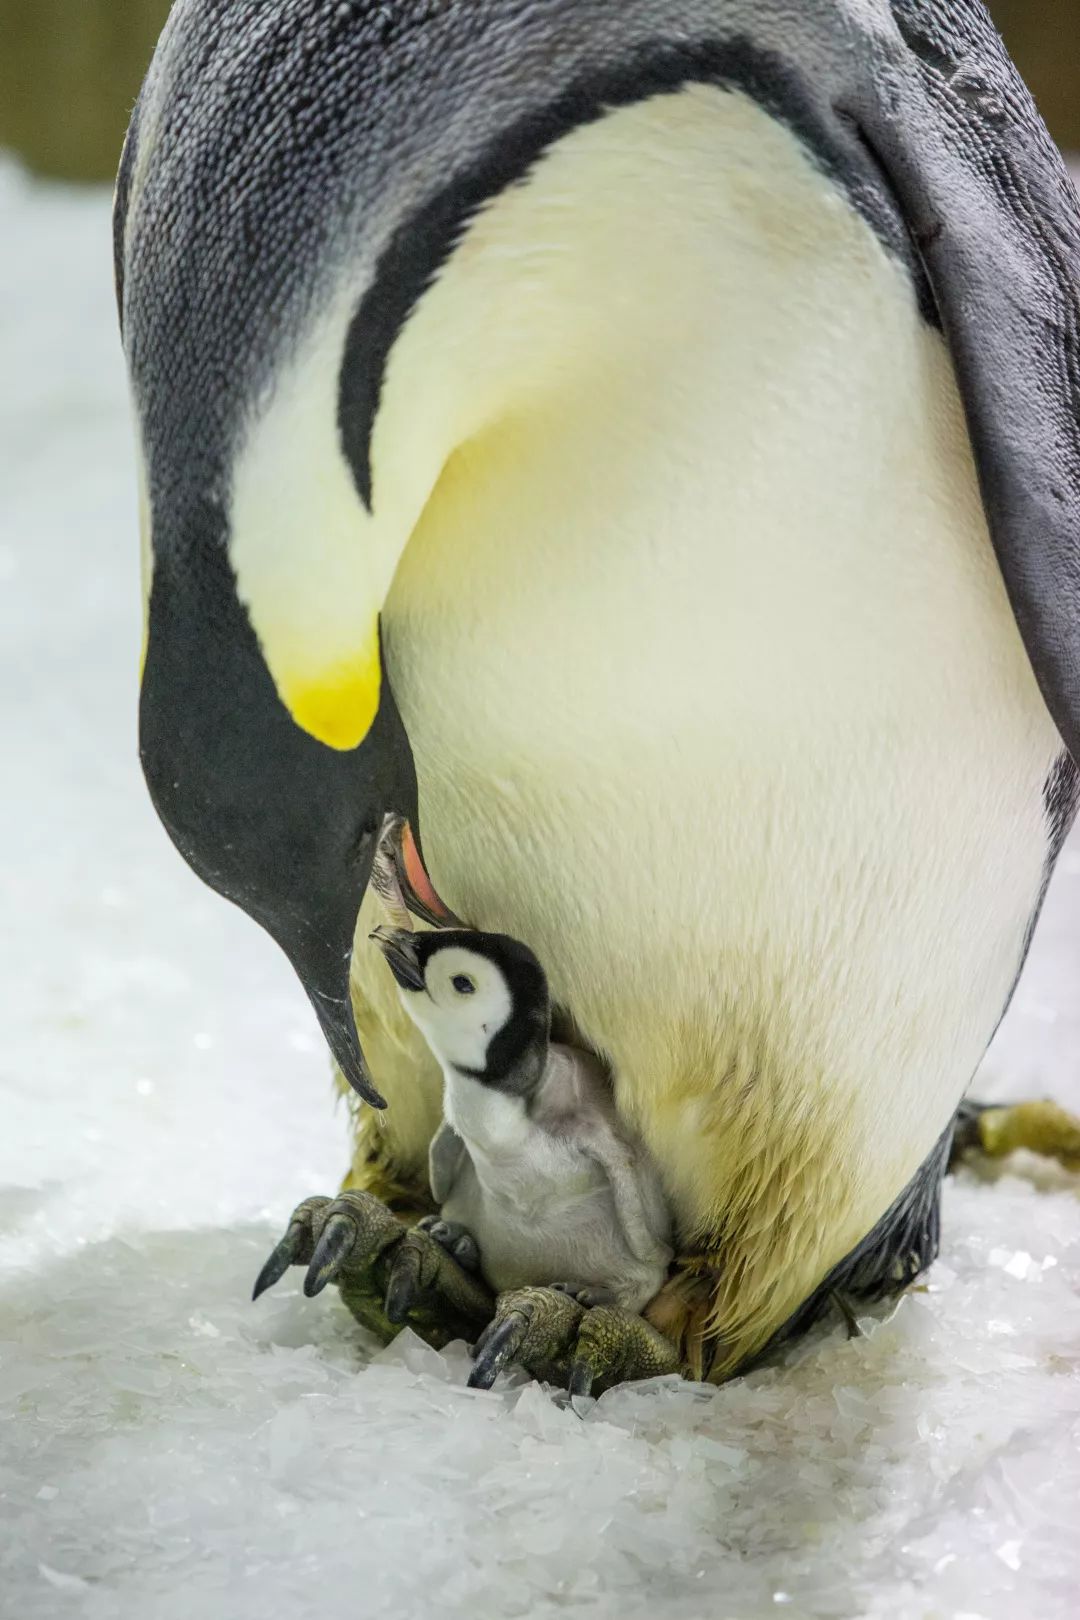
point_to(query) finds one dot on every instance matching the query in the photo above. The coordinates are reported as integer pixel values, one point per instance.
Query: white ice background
(168, 1449)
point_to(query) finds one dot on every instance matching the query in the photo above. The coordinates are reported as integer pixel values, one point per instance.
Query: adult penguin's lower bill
(639, 441)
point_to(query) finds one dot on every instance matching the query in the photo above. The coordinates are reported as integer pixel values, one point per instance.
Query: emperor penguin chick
(537, 1179)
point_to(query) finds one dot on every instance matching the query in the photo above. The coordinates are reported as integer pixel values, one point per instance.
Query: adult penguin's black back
(689, 391)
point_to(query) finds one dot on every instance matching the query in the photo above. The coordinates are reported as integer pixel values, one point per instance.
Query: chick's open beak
(398, 945)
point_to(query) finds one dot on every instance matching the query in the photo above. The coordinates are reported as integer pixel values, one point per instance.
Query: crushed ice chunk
(420, 1357)
(1016, 1262)
(62, 1582)
(202, 1325)
(289, 1439)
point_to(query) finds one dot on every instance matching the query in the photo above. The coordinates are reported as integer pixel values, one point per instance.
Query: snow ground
(170, 1449)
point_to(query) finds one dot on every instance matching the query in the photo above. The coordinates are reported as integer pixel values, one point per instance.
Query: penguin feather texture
(662, 417)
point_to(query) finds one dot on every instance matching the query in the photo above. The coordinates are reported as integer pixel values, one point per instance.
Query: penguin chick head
(480, 1001)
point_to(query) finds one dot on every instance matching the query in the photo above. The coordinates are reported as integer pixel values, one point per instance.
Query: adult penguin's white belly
(714, 691)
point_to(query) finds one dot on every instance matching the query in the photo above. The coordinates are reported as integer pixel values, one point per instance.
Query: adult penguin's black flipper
(995, 218)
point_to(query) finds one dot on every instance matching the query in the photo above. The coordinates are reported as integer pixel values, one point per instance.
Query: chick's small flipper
(389, 1274)
(558, 1340)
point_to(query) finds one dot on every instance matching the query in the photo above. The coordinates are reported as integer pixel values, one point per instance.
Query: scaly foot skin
(551, 1335)
(388, 1274)
(996, 1129)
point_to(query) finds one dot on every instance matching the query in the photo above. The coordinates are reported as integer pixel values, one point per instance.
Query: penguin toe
(428, 1284)
(296, 1248)
(556, 1338)
(388, 1274)
(333, 1238)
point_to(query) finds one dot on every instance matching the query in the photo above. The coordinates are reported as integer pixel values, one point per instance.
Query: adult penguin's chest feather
(714, 691)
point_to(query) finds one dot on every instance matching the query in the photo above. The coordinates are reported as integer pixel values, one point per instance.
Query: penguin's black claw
(497, 1346)
(280, 1260)
(388, 1273)
(338, 1238)
(427, 1275)
(557, 1339)
(406, 1285)
(296, 1247)
(332, 1237)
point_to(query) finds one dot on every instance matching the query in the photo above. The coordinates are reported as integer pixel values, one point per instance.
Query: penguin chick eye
(463, 984)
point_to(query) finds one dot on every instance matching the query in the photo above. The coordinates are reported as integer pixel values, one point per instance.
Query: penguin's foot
(455, 1238)
(389, 1274)
(995, 1129)
(560, 1341)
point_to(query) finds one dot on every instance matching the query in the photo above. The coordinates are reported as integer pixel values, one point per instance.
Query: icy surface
(171, 1450)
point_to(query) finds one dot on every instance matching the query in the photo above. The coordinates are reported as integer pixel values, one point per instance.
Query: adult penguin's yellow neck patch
(307, 563)
(336, 705)
(312, 564)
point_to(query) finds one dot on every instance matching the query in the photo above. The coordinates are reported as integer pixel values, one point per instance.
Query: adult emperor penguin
(638, 441)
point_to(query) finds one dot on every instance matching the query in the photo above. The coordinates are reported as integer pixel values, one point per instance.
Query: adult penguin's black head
(268, 732)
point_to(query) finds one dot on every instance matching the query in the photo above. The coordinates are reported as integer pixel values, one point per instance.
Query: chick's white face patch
(465, 1003)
